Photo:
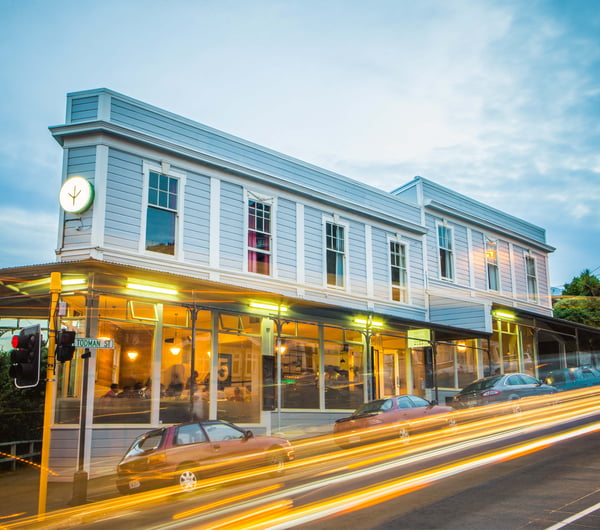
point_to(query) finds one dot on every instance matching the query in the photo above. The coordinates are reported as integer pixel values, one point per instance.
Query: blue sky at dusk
(499, 100)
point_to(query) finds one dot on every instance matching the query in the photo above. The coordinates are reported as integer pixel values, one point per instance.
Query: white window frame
(450, 250)
(344, 255)
(272, 202)
(492, 264)
(532, 294)
(405, 292)
(162, 169)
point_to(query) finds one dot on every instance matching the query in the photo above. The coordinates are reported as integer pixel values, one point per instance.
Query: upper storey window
(532, 288)
(398, 272)
(446, 252)
(259, 237)
(161, 215)
(335, 245)
(491, 259)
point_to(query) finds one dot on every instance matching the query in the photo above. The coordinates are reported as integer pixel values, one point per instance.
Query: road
(526, 470)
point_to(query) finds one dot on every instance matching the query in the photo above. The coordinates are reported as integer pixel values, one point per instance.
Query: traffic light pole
(55, 289)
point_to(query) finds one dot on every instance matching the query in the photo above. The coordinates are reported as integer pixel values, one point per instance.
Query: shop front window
(390, 355)
(466, 362)
(343, 373)
(69, 374)
(528, 342)
(184, 381)
(239, 369)
(124, 373)
(504, 349)
(299, 373)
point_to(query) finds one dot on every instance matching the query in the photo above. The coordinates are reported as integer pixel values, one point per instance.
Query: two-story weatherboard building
(235, 282)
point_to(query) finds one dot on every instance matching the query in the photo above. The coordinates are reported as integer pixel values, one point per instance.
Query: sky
(498, 100)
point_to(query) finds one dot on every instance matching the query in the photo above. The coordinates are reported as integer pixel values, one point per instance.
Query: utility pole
(55, 290)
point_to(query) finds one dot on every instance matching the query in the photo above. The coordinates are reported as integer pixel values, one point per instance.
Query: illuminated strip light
(364, 322)
(268, 307)
(151, 288)
(74, 281)
(502, 314)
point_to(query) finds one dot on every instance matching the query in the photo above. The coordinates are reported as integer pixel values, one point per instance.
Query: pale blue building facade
(235, 282)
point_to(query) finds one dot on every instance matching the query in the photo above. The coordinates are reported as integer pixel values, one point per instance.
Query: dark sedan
(182, 454)
(498, 388)
(392, 417)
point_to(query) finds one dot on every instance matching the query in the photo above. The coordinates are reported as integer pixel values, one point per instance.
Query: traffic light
(25, 357)
(64, 345)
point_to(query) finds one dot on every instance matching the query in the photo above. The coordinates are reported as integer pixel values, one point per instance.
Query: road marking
(575, 517)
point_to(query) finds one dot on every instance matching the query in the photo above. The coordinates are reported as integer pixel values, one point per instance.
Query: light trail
(359, 499)
(466, 435)
(439, 450)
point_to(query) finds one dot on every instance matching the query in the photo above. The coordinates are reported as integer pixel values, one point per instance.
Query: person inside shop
(175, 387)
(113, 392)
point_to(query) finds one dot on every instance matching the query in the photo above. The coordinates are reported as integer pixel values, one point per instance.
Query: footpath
(20, 493)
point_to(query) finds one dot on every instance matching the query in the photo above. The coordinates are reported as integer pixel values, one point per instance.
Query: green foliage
(21, 410)
(580, 301)
(586, 284)
(583, 310)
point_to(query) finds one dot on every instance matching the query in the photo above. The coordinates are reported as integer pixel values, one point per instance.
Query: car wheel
(276, 460)
(187, 479)
(403, 433)
(516, 406)
(451, 421)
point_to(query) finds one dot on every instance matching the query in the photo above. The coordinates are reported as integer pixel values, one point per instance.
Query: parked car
(182, 454)
(391, 417)
(498, 388)
(572, 378)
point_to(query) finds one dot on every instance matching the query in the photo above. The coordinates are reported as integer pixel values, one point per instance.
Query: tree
(580, 301)
(586, 284)
(21, 410)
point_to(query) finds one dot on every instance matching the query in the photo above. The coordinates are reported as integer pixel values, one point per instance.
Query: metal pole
(80, 478)
(55, 288)
(193, 382)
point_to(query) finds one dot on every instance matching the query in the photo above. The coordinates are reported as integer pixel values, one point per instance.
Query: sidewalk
(20, 492)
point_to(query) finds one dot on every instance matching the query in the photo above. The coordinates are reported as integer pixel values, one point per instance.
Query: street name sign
(85, 342)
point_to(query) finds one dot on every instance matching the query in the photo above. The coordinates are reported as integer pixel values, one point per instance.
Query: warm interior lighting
(175, 350)
(150, 288)
(268, 307)
(133, 355)
(502, 314)
(74, 281)
(461, 346)
(365, 322)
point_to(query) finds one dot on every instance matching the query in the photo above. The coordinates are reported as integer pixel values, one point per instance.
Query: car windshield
(481, 384)
(372, 406)
(145, 442)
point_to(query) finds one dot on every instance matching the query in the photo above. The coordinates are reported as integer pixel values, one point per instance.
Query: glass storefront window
(238, 371)
(528, 341)
(184, 389)
(69, 374)
(343, 374)
(299, 373)
(390, 361)
(123, 374)
(466, 362)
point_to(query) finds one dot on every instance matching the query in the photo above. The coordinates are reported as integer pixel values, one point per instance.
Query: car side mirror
(433, 402)
(248, 435)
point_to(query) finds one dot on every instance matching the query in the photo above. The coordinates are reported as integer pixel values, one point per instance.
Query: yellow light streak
(421, 448)
(228, 500)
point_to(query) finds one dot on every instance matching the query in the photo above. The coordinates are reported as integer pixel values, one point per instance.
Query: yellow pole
(55, 289)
